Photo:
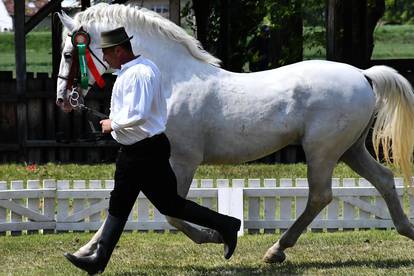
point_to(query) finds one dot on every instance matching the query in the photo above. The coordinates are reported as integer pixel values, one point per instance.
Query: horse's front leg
(184, 172)
(320, 194)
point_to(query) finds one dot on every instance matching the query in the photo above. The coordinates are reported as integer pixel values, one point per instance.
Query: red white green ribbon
(92, 68)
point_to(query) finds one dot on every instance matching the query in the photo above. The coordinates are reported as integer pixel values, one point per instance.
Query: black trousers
(144, 166)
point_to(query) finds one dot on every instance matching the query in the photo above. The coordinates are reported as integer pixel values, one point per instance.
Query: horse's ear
(67, 21)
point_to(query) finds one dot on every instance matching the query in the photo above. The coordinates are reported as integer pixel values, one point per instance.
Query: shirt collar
(127, 65)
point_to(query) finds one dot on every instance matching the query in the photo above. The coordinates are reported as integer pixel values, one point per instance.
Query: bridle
(78, 73)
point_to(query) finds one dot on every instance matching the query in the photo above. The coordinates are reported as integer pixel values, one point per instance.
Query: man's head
(116, 47)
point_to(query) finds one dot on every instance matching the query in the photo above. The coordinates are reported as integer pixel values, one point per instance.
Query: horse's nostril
(59, 100)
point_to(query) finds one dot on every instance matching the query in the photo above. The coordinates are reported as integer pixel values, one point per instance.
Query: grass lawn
(10, 172)
(38, 52)
(394, 41)
(391, 42)
(371, 252)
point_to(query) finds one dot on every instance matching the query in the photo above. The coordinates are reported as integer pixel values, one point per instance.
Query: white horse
(216, 116)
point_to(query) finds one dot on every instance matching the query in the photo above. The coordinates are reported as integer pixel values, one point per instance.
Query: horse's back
(312, 89)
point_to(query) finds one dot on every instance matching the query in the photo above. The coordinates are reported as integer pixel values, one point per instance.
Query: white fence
(263, 206)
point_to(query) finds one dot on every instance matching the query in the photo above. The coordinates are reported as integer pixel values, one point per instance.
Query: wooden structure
(51, 134)
(33, 129)
(263, 206)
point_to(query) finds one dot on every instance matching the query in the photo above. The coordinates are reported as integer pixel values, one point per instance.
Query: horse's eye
(67, 55)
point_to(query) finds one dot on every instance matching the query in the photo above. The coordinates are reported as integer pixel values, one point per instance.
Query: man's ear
(118, 50)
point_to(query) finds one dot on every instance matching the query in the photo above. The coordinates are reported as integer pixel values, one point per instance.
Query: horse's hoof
(274, 256)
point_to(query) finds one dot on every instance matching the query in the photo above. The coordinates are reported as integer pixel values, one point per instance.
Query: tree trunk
(376, 9)
(223, 50)
(348, 32)
(287, 37)
(202, 10)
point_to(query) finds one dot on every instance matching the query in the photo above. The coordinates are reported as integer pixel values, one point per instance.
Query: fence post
(15, 217)
(285, 205)
(95, 218)
(3, 214)
(49, 204)
(333, 208)
(63, 206)
(208, 183)
(349, 209)
(270, 205)
(33, 203)
(254, 206)
(230, 201)
(410, 203)
(362, 182)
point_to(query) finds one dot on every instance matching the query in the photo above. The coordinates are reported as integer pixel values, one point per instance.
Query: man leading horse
(137, 122)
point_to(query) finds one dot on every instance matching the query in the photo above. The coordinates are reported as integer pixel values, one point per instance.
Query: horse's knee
(385, 182)
(321, 199)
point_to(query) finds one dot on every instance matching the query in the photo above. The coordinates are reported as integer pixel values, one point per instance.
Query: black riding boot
(97, 262)
(225, 225)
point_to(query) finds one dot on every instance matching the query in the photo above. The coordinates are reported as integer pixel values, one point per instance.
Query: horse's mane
(103, 14)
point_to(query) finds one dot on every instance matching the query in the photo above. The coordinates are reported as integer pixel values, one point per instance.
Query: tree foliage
(265, 34)
(262, 33)
(399, 12)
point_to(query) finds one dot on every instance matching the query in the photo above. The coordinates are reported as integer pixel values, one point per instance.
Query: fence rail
(263, 206)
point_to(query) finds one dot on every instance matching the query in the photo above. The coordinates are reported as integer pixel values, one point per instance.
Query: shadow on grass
(265, 269)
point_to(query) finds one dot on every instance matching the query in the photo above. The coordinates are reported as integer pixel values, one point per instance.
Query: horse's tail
(394, 126)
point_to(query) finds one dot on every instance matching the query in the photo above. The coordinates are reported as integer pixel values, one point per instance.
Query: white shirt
(138, 106)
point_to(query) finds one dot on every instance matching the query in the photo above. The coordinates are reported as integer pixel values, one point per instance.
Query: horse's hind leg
(320, 194)
(359, 159)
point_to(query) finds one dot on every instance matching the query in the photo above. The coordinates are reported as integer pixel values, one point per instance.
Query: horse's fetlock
(285, 243)
(404, 229)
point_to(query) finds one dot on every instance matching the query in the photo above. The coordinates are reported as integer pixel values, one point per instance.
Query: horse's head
(81, 65)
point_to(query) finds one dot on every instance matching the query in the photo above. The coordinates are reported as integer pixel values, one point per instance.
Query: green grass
(391, 42)
(38, 52)
(394, 41)
(10, 172)
(370, 252)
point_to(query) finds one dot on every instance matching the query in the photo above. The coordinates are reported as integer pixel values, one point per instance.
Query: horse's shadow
(286, 268)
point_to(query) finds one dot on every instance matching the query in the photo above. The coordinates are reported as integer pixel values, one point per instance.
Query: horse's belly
(237, 146)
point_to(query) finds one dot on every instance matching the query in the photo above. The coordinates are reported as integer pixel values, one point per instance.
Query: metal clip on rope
(74, 98)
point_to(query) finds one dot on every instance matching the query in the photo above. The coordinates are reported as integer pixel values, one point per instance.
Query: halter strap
(66, 79)
(83, 62)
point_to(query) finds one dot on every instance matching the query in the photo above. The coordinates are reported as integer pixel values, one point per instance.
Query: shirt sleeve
(136, 103)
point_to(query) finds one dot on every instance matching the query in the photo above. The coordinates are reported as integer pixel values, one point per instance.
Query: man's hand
(106, 126)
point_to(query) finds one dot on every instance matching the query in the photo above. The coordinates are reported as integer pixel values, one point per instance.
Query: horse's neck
(173, 60)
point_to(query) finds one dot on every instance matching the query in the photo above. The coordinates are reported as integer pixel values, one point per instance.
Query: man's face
(111, 56)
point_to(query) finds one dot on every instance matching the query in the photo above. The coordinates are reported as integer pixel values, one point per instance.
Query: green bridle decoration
(81, 40)
(83, 65)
